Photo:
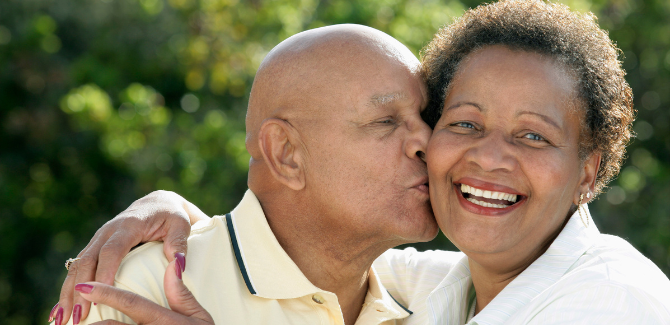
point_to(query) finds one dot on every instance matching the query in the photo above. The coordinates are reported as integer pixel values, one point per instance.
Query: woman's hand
(161, 215)
(185, 309)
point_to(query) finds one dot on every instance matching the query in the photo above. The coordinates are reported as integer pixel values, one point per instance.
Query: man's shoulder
(147, 263)
(149, 255)
(202, 236)
(210, 270)
(208, 226)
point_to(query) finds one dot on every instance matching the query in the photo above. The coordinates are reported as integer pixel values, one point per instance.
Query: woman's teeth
(486, 204)
(466, 189)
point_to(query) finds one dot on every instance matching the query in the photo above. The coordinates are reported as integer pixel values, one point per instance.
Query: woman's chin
(482, 233)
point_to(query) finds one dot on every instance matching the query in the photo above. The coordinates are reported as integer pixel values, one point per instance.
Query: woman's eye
(534, 137)
(467, 125)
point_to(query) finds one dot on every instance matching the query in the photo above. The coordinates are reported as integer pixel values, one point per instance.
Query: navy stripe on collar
(399, 304)
(238, 254)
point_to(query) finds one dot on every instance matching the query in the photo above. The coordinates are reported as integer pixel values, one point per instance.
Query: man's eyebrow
(545, 118)
(386, 99)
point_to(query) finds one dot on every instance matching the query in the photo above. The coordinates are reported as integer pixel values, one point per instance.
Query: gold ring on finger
(69, 262)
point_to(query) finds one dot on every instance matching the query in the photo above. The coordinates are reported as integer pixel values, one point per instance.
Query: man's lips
(421, 184)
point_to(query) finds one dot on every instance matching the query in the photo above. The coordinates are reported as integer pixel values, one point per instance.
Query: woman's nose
(492, 152)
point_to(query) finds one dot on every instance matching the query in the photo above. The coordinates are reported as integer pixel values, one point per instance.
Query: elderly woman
(531, 114)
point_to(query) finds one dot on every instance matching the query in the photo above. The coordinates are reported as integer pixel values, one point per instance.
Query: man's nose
(417, 140)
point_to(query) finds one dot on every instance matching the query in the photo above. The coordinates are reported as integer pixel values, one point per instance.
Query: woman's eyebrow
(545, 118)
(459, 104)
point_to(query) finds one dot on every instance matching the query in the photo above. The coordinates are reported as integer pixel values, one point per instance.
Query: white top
(583, 278)
(240, 274)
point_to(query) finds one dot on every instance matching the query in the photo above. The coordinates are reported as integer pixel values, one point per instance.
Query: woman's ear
(283, 152)
(589, 174)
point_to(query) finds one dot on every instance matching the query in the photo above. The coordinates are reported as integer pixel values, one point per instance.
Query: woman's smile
(487, 198)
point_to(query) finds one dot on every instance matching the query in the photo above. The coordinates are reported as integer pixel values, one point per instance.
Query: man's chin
(425, 230)
(430, 234)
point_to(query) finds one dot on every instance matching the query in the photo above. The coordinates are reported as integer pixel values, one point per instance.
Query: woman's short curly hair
(554, 30)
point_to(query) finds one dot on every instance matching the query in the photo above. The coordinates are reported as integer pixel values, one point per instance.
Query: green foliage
(103, 101)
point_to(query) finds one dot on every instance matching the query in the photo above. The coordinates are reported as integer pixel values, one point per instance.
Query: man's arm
(161, 215)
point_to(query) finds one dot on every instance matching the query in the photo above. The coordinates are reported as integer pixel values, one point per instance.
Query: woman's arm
(160, 216)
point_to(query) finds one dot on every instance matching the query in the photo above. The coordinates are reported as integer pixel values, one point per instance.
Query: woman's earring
(579, 208)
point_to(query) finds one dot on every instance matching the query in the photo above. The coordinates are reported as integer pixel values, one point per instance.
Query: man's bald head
(335, 135)
(301, 77)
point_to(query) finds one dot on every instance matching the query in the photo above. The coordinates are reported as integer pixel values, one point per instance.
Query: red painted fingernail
(59, 316)
(177, 268)
(76, 314)
(51, 314)
(182, 260)
(83, 288)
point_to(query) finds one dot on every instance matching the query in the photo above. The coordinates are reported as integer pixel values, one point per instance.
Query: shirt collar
(448, 302)
(266, 268)
(379, 305)
(270, 273)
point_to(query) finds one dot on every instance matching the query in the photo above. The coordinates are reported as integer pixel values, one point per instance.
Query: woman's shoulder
(613, 262)
(610, 283)
(618, 261)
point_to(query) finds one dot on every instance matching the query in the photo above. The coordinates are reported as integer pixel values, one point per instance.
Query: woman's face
(503, 159)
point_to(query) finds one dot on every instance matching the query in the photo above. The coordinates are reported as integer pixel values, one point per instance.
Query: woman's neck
(499, 270)
(488, 284)
(495, 271)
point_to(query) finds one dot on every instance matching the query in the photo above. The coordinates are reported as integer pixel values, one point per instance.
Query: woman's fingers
(138, 308)
(185, 309)
(81, 270)
(64, 304)
(126, 236)
(179, 297)
(84, 270)
(176, 231)
(108, 322)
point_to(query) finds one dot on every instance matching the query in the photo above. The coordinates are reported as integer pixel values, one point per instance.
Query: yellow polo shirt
(241, 275)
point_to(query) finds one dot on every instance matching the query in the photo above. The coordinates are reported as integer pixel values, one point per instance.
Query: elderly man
(336, 178)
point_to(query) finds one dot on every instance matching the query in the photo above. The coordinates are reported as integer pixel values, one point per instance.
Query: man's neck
(331, 258)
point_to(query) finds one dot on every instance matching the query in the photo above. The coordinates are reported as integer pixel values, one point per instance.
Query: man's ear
(589, 174)
(283, 152)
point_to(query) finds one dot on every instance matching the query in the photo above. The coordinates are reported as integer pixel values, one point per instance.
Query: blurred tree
(103, 101)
